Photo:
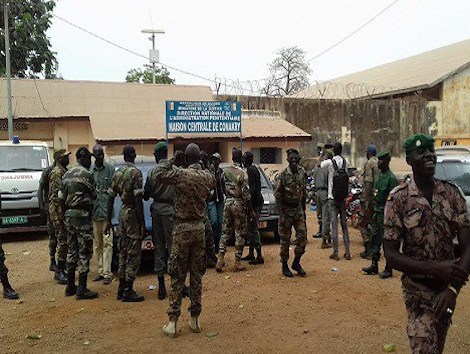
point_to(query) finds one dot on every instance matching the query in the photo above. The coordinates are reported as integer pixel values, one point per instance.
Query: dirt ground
(257, 311)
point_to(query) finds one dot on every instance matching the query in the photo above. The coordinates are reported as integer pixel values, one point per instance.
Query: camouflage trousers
(187, 254)
(209, 240)
(3, 267)
(293, 217)
(367, 211)
(130, 244)
(427, 333)
(52, 236)
(234, 224)
(80, 243)
(57, 217)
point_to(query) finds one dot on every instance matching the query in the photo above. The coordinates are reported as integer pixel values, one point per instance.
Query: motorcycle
(353, 204)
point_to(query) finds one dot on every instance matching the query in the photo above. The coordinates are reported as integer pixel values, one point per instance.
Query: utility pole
(7, 57)
(153, 54)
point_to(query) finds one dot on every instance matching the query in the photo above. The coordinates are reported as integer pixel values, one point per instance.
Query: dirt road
(257, 311)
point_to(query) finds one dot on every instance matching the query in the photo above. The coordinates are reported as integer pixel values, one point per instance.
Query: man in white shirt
(336, 206)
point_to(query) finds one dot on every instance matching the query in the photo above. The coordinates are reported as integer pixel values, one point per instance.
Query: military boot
(71, 288)
(8, 292)
(220, 263)
(250, 256)
(170, 329)
(373, 269)
(286, 271)
(387, 273)
(297, 267)
(238, 266)
(60, 277)
(366, 253)
(130, 295)
(161, 287)
(195, 324)
(120, 292)
(259, 258)
(53, 265)
(83, 293)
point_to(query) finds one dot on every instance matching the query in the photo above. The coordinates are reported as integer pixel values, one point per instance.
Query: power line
(352, 33)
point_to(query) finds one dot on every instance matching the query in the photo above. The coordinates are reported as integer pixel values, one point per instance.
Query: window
(267, 155)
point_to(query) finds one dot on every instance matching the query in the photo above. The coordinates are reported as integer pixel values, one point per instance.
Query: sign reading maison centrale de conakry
(203, 117)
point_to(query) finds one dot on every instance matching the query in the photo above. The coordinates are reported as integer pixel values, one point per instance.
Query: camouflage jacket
(236, 183)
(370, 173)
(290, 188)
(78, 192)
(427, 231)
(192, 188)
(55, 185)
(43, 190)
(127, 183)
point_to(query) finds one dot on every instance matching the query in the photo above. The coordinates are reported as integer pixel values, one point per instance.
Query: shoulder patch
(455, 185)
(397, 189)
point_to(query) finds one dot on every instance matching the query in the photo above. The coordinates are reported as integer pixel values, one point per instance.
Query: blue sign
(203, 117)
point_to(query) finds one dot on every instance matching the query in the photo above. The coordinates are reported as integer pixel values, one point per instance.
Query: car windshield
(457, 172)
(23, 158)
(265, 184)
(143, 167)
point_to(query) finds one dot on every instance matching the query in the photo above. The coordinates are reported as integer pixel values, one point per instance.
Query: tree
(144, 75)
(289, 73)
(30, 47)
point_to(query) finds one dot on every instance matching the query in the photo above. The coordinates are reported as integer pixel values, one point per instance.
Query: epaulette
(453, 184)
(400, 187)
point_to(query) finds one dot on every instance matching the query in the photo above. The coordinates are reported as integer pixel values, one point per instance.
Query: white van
(21, 166)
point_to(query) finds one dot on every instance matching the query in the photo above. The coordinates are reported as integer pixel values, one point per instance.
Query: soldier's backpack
(340, 181)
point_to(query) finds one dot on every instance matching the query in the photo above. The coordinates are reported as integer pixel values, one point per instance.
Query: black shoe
(317, 235)
(297, 267)
(71, 288)
(8, 292)
(130, 295)
(366, 253)
(99, 277)
(161, 288)
(83, 293)
(250, 256)
(386, 274)
(286, 271)
(120, 292)
(53, 265)
(60, 277)
(372, 270)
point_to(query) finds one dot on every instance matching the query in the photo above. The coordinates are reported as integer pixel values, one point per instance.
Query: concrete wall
(356, 123)
(456, 104)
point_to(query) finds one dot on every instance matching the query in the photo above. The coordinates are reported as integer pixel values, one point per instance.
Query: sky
(235, 41)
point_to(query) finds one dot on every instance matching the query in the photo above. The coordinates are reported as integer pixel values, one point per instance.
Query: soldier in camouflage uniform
(290, 201)
(422, 217)
(56, 212)
(193, 186)
(43, 199)
(79, 192)
(128, 184)
(8, 292)
(369, 175)
(237, 207)
(383, 185)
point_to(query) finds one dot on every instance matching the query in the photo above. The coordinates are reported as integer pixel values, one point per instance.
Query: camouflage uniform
(79, 193)
(43, 193)
(426, 234)
(237, 193)
(57, 209)
(127, 183)
(290, 195)
(369, 175)
(188, 248)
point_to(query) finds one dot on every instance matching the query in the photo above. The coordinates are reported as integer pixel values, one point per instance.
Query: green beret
(329, 153)
(383, 154)
(160, 145)
(292, 151)
(418, 141)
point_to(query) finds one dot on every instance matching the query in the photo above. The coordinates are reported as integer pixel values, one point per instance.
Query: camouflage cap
(418, 141)
(383, 154)
(60, 153)
(160, 145)
(292, 151)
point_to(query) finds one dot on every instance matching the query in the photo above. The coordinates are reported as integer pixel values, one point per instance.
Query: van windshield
(23, 158)
(457, 172)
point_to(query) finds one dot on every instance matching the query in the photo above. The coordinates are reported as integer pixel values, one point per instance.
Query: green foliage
(30, 47)
(144, 75)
